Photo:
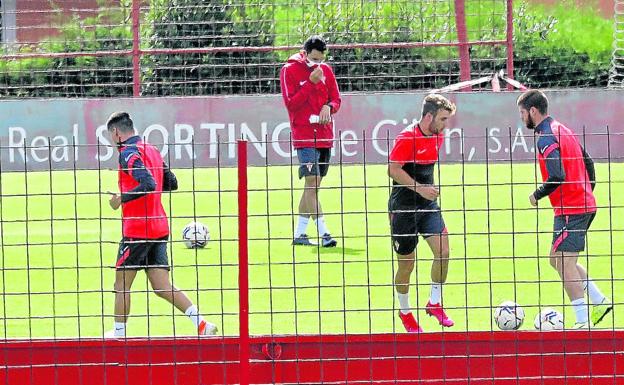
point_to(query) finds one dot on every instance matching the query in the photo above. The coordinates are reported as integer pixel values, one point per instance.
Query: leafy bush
(188, 24)
(96, 76)
(562, 46)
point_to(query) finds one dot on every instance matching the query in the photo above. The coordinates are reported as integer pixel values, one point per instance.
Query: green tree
(189, 24)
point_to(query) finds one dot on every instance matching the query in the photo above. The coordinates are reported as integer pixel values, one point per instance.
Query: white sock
(321, 226)
(193, 314)
(302, 226)
(120, 329)
(436, 293)
(595, 295)
(404, 302)
(580, 309)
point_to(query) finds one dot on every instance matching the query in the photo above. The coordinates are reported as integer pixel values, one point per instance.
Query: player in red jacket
(311, 96)
(143, 176)
(569, 180)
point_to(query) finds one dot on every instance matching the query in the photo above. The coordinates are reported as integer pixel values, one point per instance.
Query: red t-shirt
(418, 154)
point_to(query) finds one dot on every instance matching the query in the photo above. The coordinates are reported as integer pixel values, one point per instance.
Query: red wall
(36, 19)
(475, 358)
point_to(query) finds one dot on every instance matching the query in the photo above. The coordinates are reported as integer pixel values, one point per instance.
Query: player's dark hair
(315, 42)
(534, 98)
(434, 103)
(120, 120)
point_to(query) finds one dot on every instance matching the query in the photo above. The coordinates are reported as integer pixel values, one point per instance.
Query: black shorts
(407, 225)
(314, 161)
(569, 232)
(138, 254)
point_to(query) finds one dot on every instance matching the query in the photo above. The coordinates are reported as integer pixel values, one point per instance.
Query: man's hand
(115, 201)
(428, 192)
(325, 115)
(316, 75)
(533, 200)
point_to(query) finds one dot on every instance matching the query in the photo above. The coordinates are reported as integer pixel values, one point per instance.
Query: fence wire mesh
(88, 49)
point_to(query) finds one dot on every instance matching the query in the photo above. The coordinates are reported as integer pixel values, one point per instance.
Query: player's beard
(530, 124)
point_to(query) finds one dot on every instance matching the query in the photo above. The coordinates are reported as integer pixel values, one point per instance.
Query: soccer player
(311, 97)
(413, 208)
(569, 180)
(143, 175)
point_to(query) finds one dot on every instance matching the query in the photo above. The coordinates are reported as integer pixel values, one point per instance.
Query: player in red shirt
(413, 208)
(569, 180)
(311, 96)
(143, 176)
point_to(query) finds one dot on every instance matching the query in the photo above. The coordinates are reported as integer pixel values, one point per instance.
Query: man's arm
(334, 93)
(549, 148)
(132, 164)
(294, 99)
(589, 166)
(170, 182)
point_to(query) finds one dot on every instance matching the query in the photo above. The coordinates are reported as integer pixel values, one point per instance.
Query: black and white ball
(548, 319)
(195, 235)
(509, 316)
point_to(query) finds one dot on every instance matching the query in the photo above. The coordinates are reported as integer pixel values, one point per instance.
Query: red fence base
(499, 358)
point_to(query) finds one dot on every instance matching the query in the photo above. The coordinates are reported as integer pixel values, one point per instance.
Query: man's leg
(123, 282)
(307, 210)
(404, 240)
(439, 245)
(308, 170)
(595, 295)
(159, 279)
(565, 263)
(309, 206)
(405, 266)
(312, 208)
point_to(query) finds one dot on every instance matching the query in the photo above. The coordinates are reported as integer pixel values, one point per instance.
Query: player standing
(569, 180)
(311, 96)
(143, 176)
(413, 208)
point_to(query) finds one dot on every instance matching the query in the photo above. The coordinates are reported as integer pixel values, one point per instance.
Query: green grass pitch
(61, 284)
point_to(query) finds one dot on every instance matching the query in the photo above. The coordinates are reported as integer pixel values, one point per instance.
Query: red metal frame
(510, 50)
(243, 264)
(462, 37)
(181, 51)
(492, 358)
(136, 48)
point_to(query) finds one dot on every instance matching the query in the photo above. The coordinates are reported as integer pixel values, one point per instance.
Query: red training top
(304, 98)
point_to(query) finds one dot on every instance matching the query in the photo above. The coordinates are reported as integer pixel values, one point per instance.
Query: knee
(312, 183)
(406, 264)
(444, 255)
(162, 293)
(121, 288)
(118, 288)
(554, 262)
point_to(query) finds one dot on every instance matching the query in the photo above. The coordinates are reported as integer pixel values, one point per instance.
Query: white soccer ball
(195, 235)
(509, 316)
(549, 319)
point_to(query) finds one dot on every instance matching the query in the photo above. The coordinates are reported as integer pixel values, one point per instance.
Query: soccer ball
(195, 235)
(509, 316)
(548, 319)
